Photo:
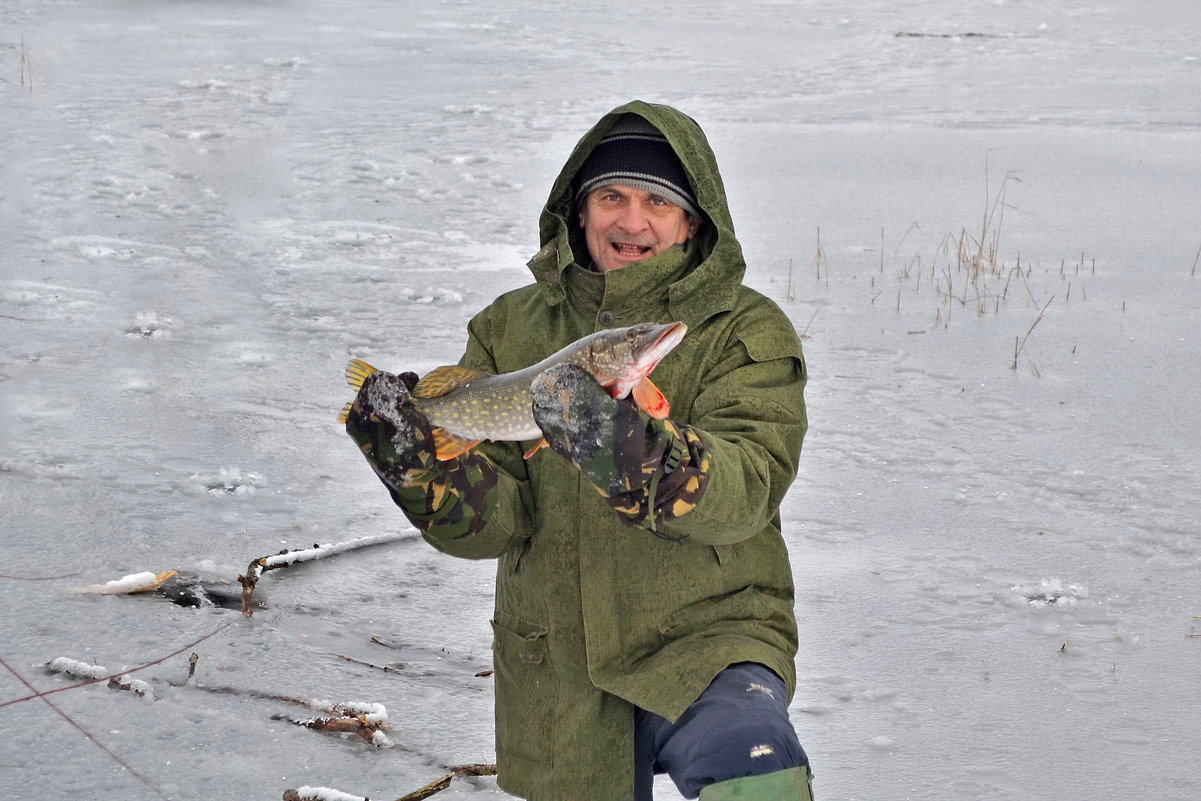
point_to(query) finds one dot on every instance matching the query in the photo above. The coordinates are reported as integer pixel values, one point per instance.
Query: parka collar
(708, 287)
(635, 293)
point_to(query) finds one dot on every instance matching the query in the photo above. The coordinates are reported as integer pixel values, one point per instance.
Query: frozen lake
(205, 208)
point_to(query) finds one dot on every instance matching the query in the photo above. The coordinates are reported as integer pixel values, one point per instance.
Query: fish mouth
(671, 335)
(660, 342)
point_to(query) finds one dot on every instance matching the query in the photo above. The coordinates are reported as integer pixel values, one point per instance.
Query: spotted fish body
(467, 406)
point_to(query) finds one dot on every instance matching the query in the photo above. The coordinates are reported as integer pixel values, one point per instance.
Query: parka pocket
(526, 689)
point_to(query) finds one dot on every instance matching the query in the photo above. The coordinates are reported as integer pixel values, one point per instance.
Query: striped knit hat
(635, 153)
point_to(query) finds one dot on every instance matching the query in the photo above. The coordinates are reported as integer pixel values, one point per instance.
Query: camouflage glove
(648, 470)
(399, 445)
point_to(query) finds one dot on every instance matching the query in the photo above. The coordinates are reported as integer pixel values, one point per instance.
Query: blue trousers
(738, 727)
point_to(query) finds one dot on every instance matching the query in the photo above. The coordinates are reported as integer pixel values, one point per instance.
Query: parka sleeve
(508, 524)
(750, 415)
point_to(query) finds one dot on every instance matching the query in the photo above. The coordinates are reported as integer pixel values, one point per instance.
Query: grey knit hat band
(636, 154)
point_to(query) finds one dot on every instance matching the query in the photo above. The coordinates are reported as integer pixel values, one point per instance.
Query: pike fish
(466, 406)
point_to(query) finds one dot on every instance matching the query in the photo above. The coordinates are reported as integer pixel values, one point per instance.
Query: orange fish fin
(651, 399)
(441, 380)
(357, 372)
(542, 443)
(447, 446)
(342, 415)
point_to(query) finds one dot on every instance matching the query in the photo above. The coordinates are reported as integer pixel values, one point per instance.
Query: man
(644, 601)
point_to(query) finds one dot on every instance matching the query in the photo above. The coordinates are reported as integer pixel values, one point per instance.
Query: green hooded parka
(594, 617)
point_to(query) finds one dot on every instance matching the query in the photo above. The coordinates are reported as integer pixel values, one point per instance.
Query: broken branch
(134, 582)
(287, 558)
(434, 787)
(40, 694)
(82, 670)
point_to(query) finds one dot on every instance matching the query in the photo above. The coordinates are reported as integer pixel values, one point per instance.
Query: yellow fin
(342, 415)
(447, 445)
(357, 372)
(442, 380)
(650, 399)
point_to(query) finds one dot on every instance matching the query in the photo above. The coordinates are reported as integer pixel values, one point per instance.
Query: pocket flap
(517, 637)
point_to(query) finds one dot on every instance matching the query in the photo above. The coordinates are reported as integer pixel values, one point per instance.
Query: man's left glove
(648, 470)
(398, 443)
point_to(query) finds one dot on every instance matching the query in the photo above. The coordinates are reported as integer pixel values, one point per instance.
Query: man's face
(623, 225)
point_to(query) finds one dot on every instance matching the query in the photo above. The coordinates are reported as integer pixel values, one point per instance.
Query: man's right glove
(649, 471)
(398, 443)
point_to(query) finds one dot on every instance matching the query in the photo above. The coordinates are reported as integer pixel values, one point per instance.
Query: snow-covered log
(83, 670)
(287, 558)
(134, 582)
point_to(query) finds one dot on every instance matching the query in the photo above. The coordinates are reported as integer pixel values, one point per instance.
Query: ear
(694, 225)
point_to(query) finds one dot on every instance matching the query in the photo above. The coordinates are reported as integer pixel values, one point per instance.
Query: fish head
(621, 357)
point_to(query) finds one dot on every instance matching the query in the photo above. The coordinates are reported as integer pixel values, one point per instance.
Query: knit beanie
(635, 153)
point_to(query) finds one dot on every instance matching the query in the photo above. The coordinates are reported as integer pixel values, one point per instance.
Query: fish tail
(356, 373)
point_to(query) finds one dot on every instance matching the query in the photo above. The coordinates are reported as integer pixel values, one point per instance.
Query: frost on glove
(649, 471)
(397, 440)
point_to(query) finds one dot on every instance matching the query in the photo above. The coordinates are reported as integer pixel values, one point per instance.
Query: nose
(633, 219)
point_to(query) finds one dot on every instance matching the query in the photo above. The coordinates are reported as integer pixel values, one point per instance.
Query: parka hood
(709, 287)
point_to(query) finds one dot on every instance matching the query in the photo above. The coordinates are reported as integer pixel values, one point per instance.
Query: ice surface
(205, 208)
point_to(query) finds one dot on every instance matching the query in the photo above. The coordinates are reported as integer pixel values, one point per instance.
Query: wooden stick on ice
(286, 558)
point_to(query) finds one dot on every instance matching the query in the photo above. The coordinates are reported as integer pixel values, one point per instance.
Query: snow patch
(148, 325)
(76, 668)
(134, 582)
(230, 481)
(326, 794)
(1052, 592)
(441, 296)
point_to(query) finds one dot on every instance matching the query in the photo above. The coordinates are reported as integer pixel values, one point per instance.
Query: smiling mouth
(630, 251)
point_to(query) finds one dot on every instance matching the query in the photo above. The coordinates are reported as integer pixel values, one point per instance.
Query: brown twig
(393, 668)
(287, 558)
(250, 580)
(444, 782)
(82, 670)
(42, 694)
(369, 721)
(430, 789)
(434, 787)
(347, 722)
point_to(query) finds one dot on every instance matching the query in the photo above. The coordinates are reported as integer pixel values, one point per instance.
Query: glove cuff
(678, 467)
(457, 498)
